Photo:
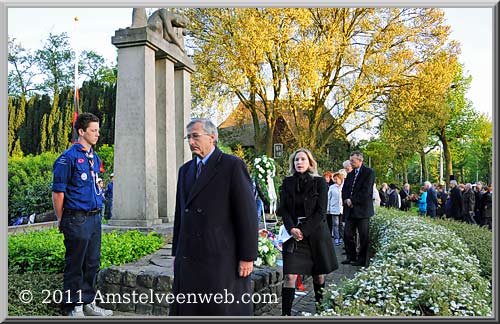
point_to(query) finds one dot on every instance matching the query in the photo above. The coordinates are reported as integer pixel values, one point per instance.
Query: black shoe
(360, 263)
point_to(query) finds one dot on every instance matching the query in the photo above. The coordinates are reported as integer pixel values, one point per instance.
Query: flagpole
(76, 109)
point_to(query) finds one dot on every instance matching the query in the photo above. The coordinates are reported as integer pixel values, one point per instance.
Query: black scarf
(302, 179)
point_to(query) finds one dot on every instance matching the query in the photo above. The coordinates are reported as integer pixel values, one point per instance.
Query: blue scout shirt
(74, 176)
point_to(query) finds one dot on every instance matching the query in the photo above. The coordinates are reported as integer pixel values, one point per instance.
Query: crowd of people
(470, 203)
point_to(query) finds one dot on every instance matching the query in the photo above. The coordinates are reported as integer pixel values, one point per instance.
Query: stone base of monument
(154, 275)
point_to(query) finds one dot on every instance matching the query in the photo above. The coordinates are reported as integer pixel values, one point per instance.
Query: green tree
(415, 107)
(22, 70)
(456, 117)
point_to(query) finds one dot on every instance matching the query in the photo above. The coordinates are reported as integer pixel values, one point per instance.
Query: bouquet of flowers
(264, 167)
(266, 247)
(264, 170)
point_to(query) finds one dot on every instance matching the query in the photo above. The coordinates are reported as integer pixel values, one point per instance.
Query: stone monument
(153, 105)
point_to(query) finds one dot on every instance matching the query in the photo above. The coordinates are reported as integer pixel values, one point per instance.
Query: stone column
(135, 196)
(182, 111)
(166, 143)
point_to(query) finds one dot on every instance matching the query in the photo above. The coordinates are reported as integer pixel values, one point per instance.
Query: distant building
(238, 128)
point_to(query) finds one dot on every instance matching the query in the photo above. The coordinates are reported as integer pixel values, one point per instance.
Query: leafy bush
(29, 184)
(478, 239)
(39, 284)
(107, 155)
(420, 269)
(44, 250)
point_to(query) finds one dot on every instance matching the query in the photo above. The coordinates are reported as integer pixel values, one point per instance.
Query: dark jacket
(487, 205)
(432, 199)
(455, 204)
(384, 198)
(393, 200)
(215, 227)
(362, 193)
(469, 200)
(315, 226)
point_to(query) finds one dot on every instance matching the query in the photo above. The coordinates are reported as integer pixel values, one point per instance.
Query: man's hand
(348, 202)
(297, 234)
(245, 268)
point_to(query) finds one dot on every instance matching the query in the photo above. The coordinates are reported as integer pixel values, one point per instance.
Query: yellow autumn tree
(305, 64)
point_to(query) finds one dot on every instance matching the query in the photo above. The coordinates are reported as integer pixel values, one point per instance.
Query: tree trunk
(269, 140)
(423, 163)
(404, 169)
(447, 157)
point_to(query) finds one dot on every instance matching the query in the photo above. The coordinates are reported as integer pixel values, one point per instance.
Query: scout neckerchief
(90, 157)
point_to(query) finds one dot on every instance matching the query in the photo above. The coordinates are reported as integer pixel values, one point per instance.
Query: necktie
(198, 171)
(354, 181)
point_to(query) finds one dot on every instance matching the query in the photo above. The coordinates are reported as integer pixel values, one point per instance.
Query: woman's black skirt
(298, 259)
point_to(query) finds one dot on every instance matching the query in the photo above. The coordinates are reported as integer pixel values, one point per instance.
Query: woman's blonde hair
(313, 166)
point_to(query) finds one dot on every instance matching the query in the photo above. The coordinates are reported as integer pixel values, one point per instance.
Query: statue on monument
(170, 24)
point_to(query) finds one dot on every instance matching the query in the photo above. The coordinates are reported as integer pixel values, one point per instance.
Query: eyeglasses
(194, 136)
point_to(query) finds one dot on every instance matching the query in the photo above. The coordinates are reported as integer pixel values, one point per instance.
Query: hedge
(420, 268)
(44, 250)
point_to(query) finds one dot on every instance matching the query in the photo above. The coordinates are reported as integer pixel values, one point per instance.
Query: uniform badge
(84, 176)
(80, 160)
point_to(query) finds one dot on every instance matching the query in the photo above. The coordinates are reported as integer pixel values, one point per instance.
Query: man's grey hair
(207, 125)
(453, 182)
(468, 186)
(358, 155)
(346, 163)
(427, 184)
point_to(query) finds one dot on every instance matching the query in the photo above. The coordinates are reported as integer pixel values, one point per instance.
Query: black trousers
(362, 226)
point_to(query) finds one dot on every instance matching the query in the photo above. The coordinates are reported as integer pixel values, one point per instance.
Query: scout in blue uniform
(77, 201)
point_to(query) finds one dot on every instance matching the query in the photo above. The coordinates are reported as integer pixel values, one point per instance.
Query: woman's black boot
(287, 296)
(318, 294)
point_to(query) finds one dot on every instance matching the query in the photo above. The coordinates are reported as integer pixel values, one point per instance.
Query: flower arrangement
(267, 249)
(264, 167)
(420, 269)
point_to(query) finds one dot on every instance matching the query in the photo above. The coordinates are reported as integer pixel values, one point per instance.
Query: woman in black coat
(303, 209)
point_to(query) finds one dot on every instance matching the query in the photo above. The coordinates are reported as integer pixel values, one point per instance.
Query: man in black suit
(215, 229)
(456, 203)
(357, 194)
(432, 200)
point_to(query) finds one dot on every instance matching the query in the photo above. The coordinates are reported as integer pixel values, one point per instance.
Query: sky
(472, 27)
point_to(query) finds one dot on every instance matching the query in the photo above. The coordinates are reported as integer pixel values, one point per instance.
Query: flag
(76, 106)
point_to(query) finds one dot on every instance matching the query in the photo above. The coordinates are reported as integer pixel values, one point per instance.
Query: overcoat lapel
(208, 172)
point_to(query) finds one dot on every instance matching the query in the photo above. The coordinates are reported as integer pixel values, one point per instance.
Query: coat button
(199, 210)
(186, 210)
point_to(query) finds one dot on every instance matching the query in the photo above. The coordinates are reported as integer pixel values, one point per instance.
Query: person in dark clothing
(405, 194)
(329, 217)
(357, 195)
(394, 197)
(456, 204)
(442, 197)
(468, 200)
(303, 200)
(215, 231)
(432, 200)
(487, 207)
(384, 195)
(478, 206)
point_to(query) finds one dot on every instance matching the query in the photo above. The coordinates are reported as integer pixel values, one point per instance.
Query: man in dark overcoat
(357, 194)
(456, 204)
(215, 230)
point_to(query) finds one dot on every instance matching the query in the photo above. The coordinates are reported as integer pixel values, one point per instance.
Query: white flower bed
(419, 269)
